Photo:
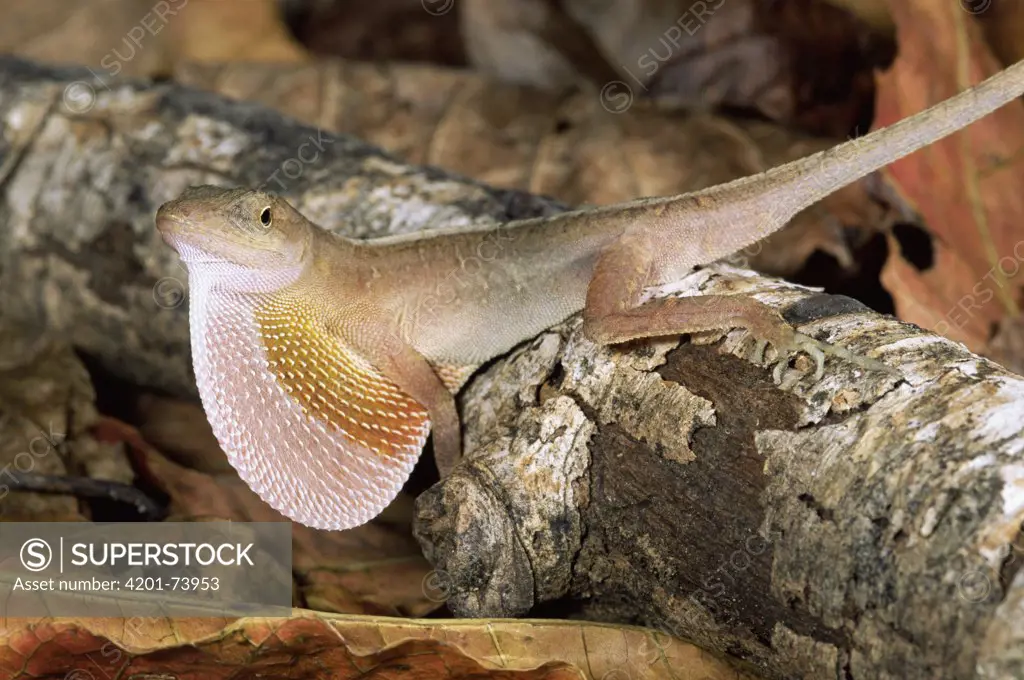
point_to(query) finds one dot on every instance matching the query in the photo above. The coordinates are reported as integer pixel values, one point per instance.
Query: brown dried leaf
(309, 645)
(827, 58)
(787, 60)
(121, 37)
(383, 30)
(1003, 23)
(967, 187)
(145, 37)
(218, 31)
(47, 410)
(1007, 344)
(531, 42)
(179, 430)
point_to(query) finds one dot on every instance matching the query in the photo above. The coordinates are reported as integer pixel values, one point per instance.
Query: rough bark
(859, 526)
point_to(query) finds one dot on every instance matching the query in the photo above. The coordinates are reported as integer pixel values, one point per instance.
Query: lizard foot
(798, 342)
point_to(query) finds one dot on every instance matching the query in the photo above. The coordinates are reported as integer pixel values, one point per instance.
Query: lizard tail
(712, 223)
(834, 168)
(780, 193)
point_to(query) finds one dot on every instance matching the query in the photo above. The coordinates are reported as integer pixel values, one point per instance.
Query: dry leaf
(828, 59)
(383, 30)
(966, 187)
(1003, 23)
(46, 412)
(1007, 344)
(317, 646)
(118, 38)
(799, 60)
(180, 431)
(234, 30)
(531, 42)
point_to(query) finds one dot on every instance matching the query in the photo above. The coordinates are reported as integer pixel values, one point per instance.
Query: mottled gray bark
(859, 526)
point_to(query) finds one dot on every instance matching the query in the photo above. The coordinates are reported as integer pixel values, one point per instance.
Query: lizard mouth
(171, 228)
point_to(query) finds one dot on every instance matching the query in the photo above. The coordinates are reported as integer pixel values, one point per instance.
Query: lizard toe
(799, 343)
(759, 347)
(813, 349)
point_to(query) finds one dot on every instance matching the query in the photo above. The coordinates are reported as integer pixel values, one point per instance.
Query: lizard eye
(265, 217)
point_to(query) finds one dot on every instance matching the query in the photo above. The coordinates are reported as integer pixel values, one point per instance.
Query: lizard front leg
(414, 375)
(613, 312)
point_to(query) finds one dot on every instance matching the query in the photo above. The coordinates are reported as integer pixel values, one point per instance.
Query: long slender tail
(709, 224)
(834, 168)
(780, 193)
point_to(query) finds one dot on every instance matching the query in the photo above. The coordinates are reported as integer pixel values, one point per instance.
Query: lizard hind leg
(613, 312)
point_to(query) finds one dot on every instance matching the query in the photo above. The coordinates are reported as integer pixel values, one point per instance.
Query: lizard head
(234, 229)
(311, 425)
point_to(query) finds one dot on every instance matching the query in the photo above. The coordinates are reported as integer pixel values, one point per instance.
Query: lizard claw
(773, 331)
(817, 351)
(806, 344)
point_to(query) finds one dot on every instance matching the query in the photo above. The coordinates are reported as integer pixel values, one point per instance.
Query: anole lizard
(323, 362)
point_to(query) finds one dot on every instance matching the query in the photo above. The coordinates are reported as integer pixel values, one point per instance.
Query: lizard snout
(169, 225)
